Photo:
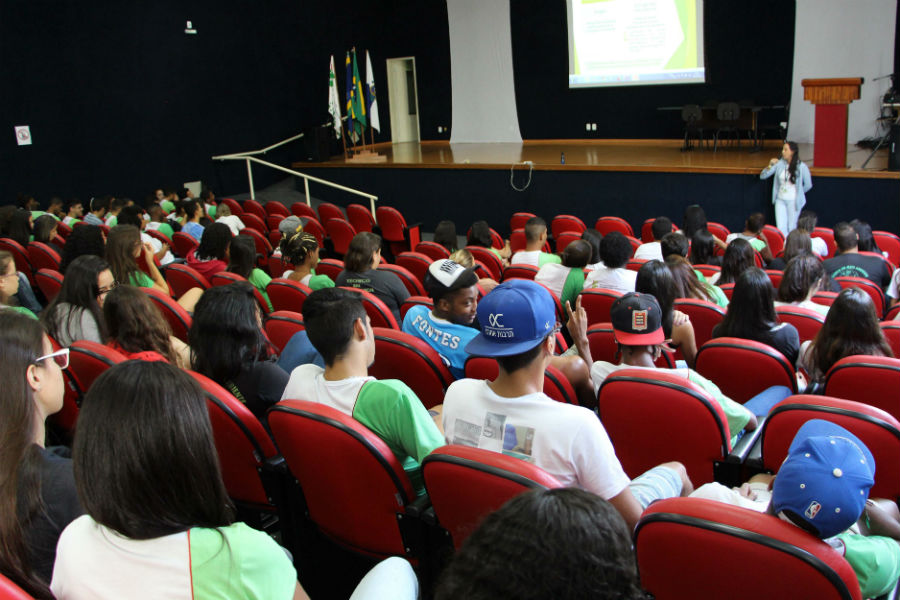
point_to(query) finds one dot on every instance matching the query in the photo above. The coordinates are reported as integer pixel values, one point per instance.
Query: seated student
(593, 237)
(361, 271)
(738, 258)
(464, 257)
(535, 238)
(656, 279)
(865, 238)
(97, 209)
(76, 313)
(893, 291)
(851, 328)
(20, 227)
(752, 232)
(45, 228)
(242, 261)
(798, 242)
(652, 250)
(115, 207)
(159, 522)
(806, 223)
(566, 280)
(640, 346)
(751, 315)
(301, 249)
(193, 211)
(615, 250)
(138, 330)
(689, 283)
(158, 221)
(512, 414)
(9, 285)
(480, 235)
(74, 212)
(223, 215)
(208, 201)
(55, 208)
(38, 492)
(86, 239)
(703, 249)
(287, 227)
(822, 487)
(339, 328)
(228, 346)
(676, 243)
(212, 255)
(445, 235)
(447, 327)
(131, 215)
(848, 262)
(803, 277)
(564, 543)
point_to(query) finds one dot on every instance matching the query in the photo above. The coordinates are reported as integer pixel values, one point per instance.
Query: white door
(403, 99)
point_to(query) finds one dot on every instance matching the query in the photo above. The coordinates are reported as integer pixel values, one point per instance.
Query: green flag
(356, 108)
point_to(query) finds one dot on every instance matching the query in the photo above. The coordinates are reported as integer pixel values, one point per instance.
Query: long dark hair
(445, 235)
(480, 235)
(703, 248)
(795, 160)
(79, 290)
(43, 228)
(21, 342)
(752, 307)
(242, 257)
(163, 481)
(135, 323)
(865, 239)
(850, 328)
(120, 246)
(84, 239)
(361, 254)
(694, 220)
(687, 285)
(801, 274)
(226, 337)
(215, 242)
(738, 258)
(19, 227)
(798, 242)
(655, 278)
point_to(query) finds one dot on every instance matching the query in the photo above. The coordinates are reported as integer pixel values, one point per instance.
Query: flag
(334, 103)
(356, 110)
(371, 100)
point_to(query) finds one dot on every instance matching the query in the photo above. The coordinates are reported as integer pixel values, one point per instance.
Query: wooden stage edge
(652, 156)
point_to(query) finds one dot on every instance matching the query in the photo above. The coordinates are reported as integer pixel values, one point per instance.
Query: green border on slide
(685, 56)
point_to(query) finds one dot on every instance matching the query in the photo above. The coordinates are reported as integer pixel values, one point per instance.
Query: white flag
(371, 100)
(334, 104)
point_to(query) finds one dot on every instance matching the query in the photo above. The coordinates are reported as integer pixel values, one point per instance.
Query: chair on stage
(727, 115)
(692, 116)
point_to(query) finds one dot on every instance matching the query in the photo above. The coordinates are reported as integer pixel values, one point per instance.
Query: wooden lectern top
(842, 90)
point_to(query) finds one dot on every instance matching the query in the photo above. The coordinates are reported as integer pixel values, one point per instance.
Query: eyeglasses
(60, 357)
(105, 291)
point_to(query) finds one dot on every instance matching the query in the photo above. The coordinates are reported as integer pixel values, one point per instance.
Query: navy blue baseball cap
(515, 317)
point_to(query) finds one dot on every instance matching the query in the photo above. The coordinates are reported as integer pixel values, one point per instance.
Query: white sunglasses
(60, 357)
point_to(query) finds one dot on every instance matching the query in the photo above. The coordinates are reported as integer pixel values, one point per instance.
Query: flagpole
(344, 140)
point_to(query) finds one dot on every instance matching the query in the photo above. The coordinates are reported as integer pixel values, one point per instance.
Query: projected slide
(635, 42)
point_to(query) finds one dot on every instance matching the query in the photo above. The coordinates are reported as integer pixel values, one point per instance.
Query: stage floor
(661, 156)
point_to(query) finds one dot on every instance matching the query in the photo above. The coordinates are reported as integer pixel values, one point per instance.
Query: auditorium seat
(409, 280)
(602, 342)
(43, 256)
(417, 262)
(827, 235)
(890, 243)
(490, 260)
(775, 277)
(20, 256)
(272, 223)
(182, 244)
(430, 249)
(415, 301)
(253, 221)
(261, 243)
(287, 294)
(328, 211)
(395, 230)
(635, 243)
(691, 548)
(562, 223)
(360, 217)
(49, 282)
(774, 238)
(893, 313)
(227, 278)
(313, 227)
(704, 316)
(178, 318)
(157, 235)
(597, 303)
(565, 238)
(233, 205)
(88, 360)
(520, 271)
(824, 298)
(274, 238)
(281, 326)
(517, 240)
(273, 207)
(708, 270)
(556, 386)
(743, 368)
(331, 267)
(718, 230)
(10, 591)
(869, 379)
(874, 292)
(688, 425)
(891, 331)
(341, 233)
(63, 230)
(561, 315)
(634, 264)
(379, 313)
(453, 472)
(182, 278)
(400, 355)
(304, 211)
(807, 322)
(607, 224)
(252, 207)
(518, 220)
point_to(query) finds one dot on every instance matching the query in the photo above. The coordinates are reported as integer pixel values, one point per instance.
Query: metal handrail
(249, 157)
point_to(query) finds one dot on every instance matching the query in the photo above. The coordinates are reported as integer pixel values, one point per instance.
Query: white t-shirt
(308, 382)
(234, 223)
(621, 279)
(819, 246)
(787, 191)
(819, 308)
(567, 441)
(554, 276)
(157, 246)
(304, 281)
(649, 251)
(893, 290)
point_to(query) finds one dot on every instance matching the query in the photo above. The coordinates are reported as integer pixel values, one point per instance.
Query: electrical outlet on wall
(593, 127)
(587, 126)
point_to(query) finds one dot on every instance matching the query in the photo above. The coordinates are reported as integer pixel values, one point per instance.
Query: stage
(633, 179)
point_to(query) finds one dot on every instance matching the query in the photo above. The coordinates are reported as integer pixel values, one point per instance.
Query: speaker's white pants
(785, 215)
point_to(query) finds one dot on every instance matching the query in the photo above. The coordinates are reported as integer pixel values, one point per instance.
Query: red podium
(831, 97)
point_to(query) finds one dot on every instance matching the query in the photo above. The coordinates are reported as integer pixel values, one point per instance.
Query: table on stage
(748, 120)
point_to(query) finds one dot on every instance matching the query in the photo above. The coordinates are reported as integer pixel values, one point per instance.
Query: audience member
(74, 212)
(55, 208)
(652, 250)
(615, 250)
(193, 211)
(739, 256)
(807, 223)
(28, 202)
(361, 272)
(131, 215)
(138, 330)
(76, 313)
(798, 242)
(803, 277)
(97, 209)
(593, 237)
(865, 239)
(703, 249)
(114, 208)
(689, 285)
(693, 221)
(656, 279)
(445, 235)
(535, 238)
(19, 227)
(566, 280)
(302, 250)
(480, 234)
(158, 515)
(464, 257)
(848, 262)
(84, 240)
(10, 283)
(753, 233)
(45, 228)
(242, 261)
(223, 215)
(212, 255)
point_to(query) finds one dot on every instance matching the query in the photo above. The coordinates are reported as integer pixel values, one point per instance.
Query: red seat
(20, 256)
(606, 225)
(399, 355)
(357, 496)
(178, 318)
(708, 270)
(774, 238)
(181, 278)
(395, 230)
(281, 326)
(560, 311)
(878, 430)
(647, 230)
(43, 256)
(331, 267)
(824, 298)
(243, 447)
(272, 223)
(890, 329)
(409, 280)
(341, 233)
(88, 360)
(518, 220)
(688, 425)
(489, 259)
(760, 367)
(328, 211)
(261, 243)
(635, 264)
(775, 277)
(597, 303)
(807, 322)
(286, 294)
(160, 237)
(182, 244)
(252, 207)
(565, 238)
(517, 240)
(313, 227)
(360, 217)
(274, 238)
(635, 243)
(691, 548)
(49, 282)
(563, 223)
(379, 313)
(520, 271)
(417, 262)
(253, 221)
(893, 313)
(226, 278)
(704, 316)
(718, 230)
(890, 243)
(451, 474)
(63, 230)
(233, 204)
(430, 249)
(602, 341)
(10, 591)
(304, 210)
(274, 208)
(415, 301)
(827, 235)
(871, 380)
(868, 287)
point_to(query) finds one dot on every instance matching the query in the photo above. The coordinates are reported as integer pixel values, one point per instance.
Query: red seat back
(691, 548)
(602, 341)
(331, 267)
(43, 256)
(261, 243)
(597, 303)
(20, 256)
(360, 217)
(286, 294)
(233, 204)
(354, 496)
(392, 223)
(274, 238)
(489, 259)
(272, 223)
(520, 271)
(878, 430)
(88, 360)
(226, 278)
(178, 318)
(49, 281)
(565, 238)
(275, 208)
(242, 444)
(890, 243)
(410, 281)
(415, 301)
(314, 228)
(635, 264)
(252, 207)
(451, 474)
(890, 329)
(760, 367)
(159, 236)
(281, 326)
(399, 355)
(517, 240)
(379, 313)
(341, 233)
(417, 262)
(609, 224)
(827, 235)
(182, 244)
(718, 230)
(704, 316)
(304, 210)
(63, 230)
(893, 314)
(868, 287)
(10, 591)
(871, 380)
(328, 211)
(181, 278)
(430, 249)
(518, 220)
(562, 223)
(775, 277)
(824, 298)
(708, 270)
(774, 238)
(807, 322)
(254, 221)
(690, 421)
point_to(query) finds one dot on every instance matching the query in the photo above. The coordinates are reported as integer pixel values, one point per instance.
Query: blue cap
(826, 478)
(514, 317)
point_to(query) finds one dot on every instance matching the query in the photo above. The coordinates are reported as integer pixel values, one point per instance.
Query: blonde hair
(463, 257)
